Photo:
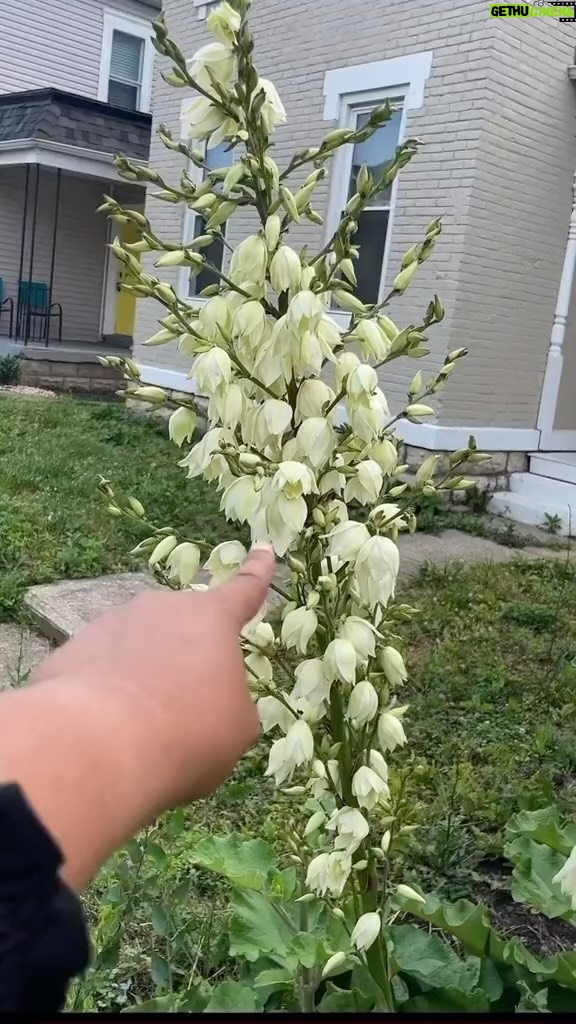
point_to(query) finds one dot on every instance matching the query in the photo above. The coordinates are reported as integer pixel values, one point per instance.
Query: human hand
(171, 663)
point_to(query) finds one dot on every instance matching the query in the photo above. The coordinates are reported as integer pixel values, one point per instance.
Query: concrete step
(554, 465)
(543, 489)
(532, 511)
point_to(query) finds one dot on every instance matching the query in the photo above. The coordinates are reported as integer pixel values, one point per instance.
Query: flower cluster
(300, 444)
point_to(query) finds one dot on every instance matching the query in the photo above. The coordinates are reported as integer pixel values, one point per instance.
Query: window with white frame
(350, 94)
(373, 223)
(126, 66)
(195, 226)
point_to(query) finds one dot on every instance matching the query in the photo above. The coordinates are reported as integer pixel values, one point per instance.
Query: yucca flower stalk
(300, 444)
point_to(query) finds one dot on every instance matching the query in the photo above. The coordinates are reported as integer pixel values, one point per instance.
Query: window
(196, 226)
(373, 221)
(125, 79)
(350, 94)
(126, 66)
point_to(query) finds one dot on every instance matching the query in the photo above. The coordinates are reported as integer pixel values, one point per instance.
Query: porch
(58, 285)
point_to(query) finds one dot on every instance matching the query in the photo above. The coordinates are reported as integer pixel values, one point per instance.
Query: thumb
(244, 595)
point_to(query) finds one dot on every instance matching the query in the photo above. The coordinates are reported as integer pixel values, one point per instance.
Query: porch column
(555, 360)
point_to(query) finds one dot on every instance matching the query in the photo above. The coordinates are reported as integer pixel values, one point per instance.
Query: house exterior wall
(517, 225)
(57, 43)
(80, 246)
(497, 121)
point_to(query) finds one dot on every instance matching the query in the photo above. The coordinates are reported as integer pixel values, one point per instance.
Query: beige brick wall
(492, 111)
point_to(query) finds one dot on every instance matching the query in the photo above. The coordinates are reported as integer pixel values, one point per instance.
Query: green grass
(492, 660)
(492, 690)
(53, 521)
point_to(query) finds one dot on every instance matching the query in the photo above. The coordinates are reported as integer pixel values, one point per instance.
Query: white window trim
(347, 90)
(189, 218)
(202, 6)
(132, 26)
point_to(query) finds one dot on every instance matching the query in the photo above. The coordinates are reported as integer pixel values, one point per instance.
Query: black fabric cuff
(43, 937)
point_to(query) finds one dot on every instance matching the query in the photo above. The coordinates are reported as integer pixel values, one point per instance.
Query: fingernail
(262, 545)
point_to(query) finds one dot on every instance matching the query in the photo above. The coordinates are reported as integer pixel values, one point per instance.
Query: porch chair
(34, 306)
(6, 305)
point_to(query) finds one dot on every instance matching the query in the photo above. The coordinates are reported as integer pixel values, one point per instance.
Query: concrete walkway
(60, 609)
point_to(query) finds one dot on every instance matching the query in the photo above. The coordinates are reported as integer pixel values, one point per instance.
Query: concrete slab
(453, 545)
(61, 609)
(20, 652)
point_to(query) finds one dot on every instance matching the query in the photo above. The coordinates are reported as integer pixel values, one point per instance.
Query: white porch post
(555, 360)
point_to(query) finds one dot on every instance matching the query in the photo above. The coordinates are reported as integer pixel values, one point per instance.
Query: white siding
(56, 43)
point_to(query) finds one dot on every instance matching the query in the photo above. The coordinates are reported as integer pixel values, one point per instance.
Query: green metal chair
(6, 305)
(35, 306)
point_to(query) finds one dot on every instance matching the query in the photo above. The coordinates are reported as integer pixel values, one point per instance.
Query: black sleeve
(43, 939)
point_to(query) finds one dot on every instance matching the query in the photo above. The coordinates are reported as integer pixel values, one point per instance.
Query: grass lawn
(53, 521)
(492, 661)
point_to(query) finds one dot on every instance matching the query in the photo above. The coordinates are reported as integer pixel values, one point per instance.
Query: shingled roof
(52, 116)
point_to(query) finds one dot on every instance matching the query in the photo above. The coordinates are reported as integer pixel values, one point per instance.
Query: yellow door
(125, 302)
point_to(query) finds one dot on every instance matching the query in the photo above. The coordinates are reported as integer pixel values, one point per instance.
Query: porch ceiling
(53, 119)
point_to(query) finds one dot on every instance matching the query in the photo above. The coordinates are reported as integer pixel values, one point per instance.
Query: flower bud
(410, 894)
(331, 966)
(366, 931)
(272, 231)
(162, 550)
(403, 279)
(181, 425)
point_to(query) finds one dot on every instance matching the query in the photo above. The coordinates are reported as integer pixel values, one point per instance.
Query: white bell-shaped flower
(363, 704)
(225, 560)
(347, 539)
(376, 569)
(298, 628)
(368, 788)
(340, 661)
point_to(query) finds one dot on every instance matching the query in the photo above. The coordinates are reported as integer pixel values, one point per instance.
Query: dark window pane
(376, 151)
(371, 238)
(122, 95)
(214, 253)
(215, 158)
(126, 57)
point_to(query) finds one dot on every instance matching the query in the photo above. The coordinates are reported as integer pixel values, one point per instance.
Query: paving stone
(61, 609)
(20, 652)
(452, 545)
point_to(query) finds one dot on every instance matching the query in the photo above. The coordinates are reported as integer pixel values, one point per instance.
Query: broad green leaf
(308, 950)
(160, 971)
(428, 959)
(543, 826)
(275, 978)
(232, 997)
(465, 920)
(448, 999)
(339, 1000)
(257, 927)
(532, 1001)
(534, 868)
(156, 852)
(248, 863)
(159, 920)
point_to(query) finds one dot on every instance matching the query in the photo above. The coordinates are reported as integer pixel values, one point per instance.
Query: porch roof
(62, 119)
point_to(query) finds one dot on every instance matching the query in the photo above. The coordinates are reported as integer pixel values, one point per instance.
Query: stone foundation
(69, 375)
(492, 475)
